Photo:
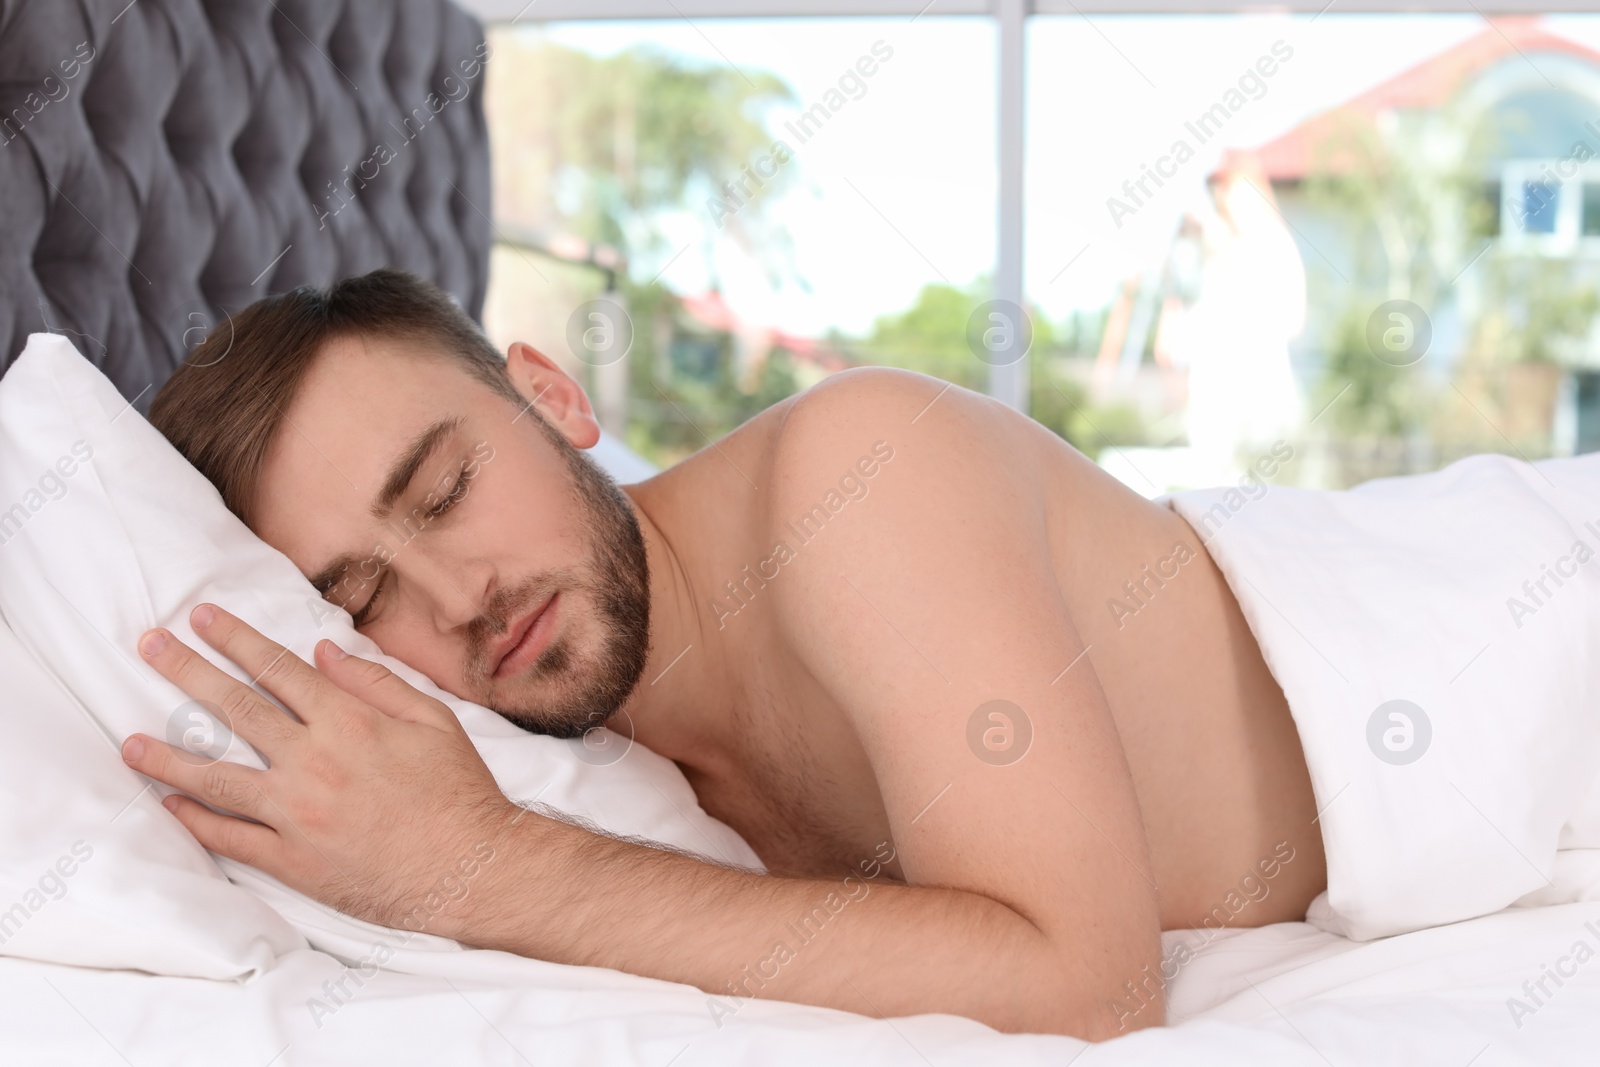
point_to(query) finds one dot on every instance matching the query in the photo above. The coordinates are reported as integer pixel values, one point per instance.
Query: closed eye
(359, 618)
(452, 498)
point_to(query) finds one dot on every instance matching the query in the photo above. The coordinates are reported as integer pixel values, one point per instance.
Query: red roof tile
(1429, 84)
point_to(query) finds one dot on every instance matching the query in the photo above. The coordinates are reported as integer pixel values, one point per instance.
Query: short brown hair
(223, 407)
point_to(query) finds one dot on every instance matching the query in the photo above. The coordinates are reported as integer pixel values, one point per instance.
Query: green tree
(931, 335)
(1537, 309)
(603, 146)
(1414, 196)
(1413, 217)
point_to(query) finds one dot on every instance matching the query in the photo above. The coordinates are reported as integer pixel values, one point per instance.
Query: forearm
(867, 945)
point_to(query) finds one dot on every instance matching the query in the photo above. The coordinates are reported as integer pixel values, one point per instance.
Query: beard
(566, 693)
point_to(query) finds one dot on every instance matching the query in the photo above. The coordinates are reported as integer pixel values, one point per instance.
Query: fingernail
(171, 802)
(201, 616)
(152, 642)
(132, 750)
(333, 650)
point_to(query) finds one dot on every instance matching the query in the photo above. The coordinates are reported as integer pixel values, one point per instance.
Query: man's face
(464, 537)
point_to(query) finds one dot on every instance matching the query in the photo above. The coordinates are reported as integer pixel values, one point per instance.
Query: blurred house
(1467, 185)
(1477, 172)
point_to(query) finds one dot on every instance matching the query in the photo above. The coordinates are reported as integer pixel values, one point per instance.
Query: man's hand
(371, 800)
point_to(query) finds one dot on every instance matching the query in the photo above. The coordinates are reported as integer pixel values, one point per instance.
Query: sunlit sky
(898, 189)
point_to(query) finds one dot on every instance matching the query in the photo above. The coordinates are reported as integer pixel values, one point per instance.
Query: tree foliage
(602, 146)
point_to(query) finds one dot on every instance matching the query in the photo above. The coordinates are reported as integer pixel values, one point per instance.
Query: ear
(553, 393)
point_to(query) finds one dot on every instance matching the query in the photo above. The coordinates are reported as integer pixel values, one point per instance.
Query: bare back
(1216, 762)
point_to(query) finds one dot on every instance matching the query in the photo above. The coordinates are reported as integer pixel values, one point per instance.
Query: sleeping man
(871, 626)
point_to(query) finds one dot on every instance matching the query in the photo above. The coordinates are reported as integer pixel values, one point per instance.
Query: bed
(167, 161)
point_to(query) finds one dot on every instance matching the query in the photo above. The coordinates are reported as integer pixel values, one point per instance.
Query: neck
(686, 697)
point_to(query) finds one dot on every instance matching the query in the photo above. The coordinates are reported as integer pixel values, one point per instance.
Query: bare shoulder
(878, 395)
(927, 425)
(884, 472)
(886, 388)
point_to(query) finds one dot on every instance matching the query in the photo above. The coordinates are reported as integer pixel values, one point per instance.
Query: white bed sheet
(1284, 994)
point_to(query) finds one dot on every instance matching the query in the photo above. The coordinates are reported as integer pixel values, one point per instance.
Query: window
(1357, 234)
(766, 201)
(1542, 209)
(1370, 236)
(1539, 202)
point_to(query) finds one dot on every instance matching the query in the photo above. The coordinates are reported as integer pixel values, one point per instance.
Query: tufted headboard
(166, 162)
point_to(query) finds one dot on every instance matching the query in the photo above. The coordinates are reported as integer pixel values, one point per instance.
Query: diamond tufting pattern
(165, 162)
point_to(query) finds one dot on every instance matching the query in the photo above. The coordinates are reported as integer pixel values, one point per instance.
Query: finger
(271, 665)
(249, 843)
(245, 711)
(217, 782)
(374, 684)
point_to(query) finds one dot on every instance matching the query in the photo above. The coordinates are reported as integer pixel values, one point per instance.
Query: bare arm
(867, 946)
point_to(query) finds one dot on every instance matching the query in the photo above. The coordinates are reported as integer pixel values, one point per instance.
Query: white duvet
(148, 951)
(1438, 640)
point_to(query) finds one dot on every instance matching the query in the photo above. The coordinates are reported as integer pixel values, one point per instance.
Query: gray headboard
(164, 162)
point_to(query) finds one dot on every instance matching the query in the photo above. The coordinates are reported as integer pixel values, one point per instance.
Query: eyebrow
(395, 483)
(406, 465)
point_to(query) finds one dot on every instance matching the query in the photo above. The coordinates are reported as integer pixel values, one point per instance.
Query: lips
(524, 639)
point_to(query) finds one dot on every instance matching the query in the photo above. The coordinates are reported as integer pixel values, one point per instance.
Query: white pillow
(93, 870)
(134, 537)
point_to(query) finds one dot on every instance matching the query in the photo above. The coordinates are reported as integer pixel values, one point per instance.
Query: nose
(454, 593)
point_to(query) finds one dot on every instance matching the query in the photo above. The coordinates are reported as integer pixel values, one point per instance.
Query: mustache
(495, 619)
